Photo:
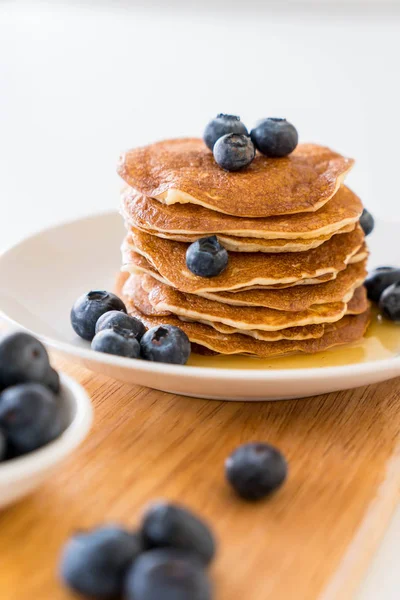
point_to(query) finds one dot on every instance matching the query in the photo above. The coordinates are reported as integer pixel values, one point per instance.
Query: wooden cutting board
(312, 540)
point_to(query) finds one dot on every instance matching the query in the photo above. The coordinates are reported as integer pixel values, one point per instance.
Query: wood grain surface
(311, 540)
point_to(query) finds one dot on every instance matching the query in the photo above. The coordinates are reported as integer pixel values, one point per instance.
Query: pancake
(299, 297)
(356, 306)
(242, 244)
(184, 171)
(165, 299)
(144, 213)
(208, 340)
(244, 270)
(133, 290)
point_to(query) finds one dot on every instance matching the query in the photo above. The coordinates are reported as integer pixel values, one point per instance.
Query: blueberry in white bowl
(275, 137)
(233, 152)
(89, 307)
(207, 257)
(43, 416)
(222, 125)
(23, 359)
(30, 416)
(379, 279)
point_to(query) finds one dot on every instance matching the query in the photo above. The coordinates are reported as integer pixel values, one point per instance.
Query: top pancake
(343, 209)
(184, 171)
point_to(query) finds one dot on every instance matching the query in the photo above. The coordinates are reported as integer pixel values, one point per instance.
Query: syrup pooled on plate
(381, 341)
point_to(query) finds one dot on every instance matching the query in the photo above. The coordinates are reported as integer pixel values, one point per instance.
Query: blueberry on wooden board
(255, 470)
(167, 574)
(95, 563)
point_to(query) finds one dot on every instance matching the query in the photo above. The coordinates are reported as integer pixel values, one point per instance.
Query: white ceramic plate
(20, 476)
(42, 276)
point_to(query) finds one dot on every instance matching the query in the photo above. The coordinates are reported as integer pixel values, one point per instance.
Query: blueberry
(255, 470)
(52, 381)
(206, 257)
(389, 302)
(116, 318)
(367, 222)
(379, 279)
(165, 343)
(116, 341)
(30, 416)
(167, 575)
(167, 525)
(95, 563)
(22, 359)
(89, 308)
(275, 137)
(233, 152)
(3, 445)
(222, 125)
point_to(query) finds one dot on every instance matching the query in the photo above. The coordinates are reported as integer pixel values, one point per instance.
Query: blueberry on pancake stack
(265, 258)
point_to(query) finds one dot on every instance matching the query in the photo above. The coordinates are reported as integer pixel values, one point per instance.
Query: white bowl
(61, 263)
(20, 476)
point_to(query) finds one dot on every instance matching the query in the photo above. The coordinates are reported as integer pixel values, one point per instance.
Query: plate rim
(381, 365)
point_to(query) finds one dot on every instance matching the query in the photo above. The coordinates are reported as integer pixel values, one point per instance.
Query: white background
(82, 81)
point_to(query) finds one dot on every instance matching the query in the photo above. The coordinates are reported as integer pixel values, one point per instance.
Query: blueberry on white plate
(89, 307)
(389, 302)
(116, 318)
(165, 343)
(117, 341)
(379, 279)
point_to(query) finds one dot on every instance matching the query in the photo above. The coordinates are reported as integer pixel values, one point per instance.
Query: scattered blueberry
(169, 525)
(255, 470)
(367, 222)
(389, 302)
(167, 575)
(94, 563)
(222, 125)
(120, 342)
(3, 445)
(165, 343)
(380, 279)
(30, 416)
(89, 308)
(275, 137)
(233, 152)
(52, 381)
(206, 257)
(22, 359)
(120, 319)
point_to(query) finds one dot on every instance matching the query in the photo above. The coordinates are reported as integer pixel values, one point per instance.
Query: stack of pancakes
(297, 256)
